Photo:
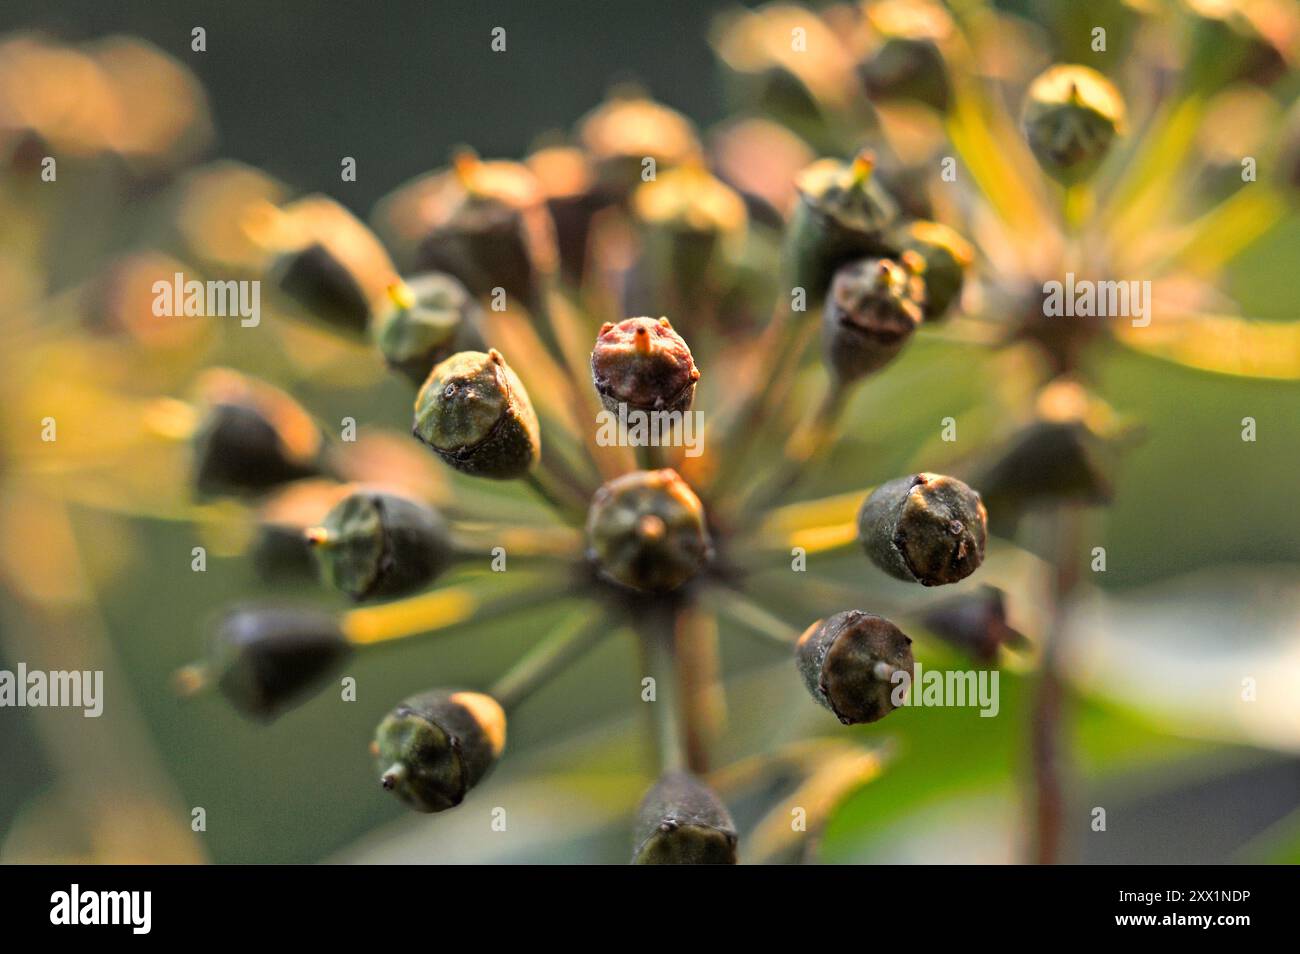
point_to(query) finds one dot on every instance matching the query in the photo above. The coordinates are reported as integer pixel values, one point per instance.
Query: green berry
(1050, 461)
(474, 413)
(373, 545)
(426, 321)
(436, 746)
(251, 438)
(873, 308)
(974, 623)
(644, 364)
(1072, 115)
(848, 663)
(264, 659)
(947, 257)
(926, 528)
(682, 822)
(489, 228)
(908, 61)
(646, 530)
(842, 214)
(323, 286)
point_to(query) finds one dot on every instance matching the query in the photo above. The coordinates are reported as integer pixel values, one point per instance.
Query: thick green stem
(570, 641)
(660, 664)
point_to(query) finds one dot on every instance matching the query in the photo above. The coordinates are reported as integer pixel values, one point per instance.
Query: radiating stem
(574, 637)
(753, 618)
(563, 498)
(805, 445)
(474, 541)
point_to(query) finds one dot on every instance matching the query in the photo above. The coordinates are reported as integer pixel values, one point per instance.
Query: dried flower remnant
(927, 528)
(849, 662)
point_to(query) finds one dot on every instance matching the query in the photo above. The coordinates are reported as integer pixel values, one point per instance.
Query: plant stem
(743, 610)
(658, 662)
(1048, 736)
(695, 646)
(560, 497)
(572, 639)
(805, 445)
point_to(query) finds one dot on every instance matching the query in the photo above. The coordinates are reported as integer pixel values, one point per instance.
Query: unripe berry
(842, 214)
(974, 623)
(434, 747)
(427, 320)
(331, 264)
(682, 822)
(628, 128)
(474, 413)
(873, 307)
(252, 437)
(646, 530)
(373, 545)
(947, 257)
(644, 364)
(1072, 115)
(264, 659)
(848, 663)
(907, 62)
(693, 224)
(926, 528)
(486, 224)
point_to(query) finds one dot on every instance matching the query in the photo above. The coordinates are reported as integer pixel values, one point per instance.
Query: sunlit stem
(476, 540)
(807, 444)
(574, 637)
(774, 839)
(1220, 235)
(753, 618)
(696, 649)
(439, 611)
(825, 526)
(574, 342)
(563, 498)
(771, 376)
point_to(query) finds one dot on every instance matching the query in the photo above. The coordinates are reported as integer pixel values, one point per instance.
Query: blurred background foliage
(1203, 540)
